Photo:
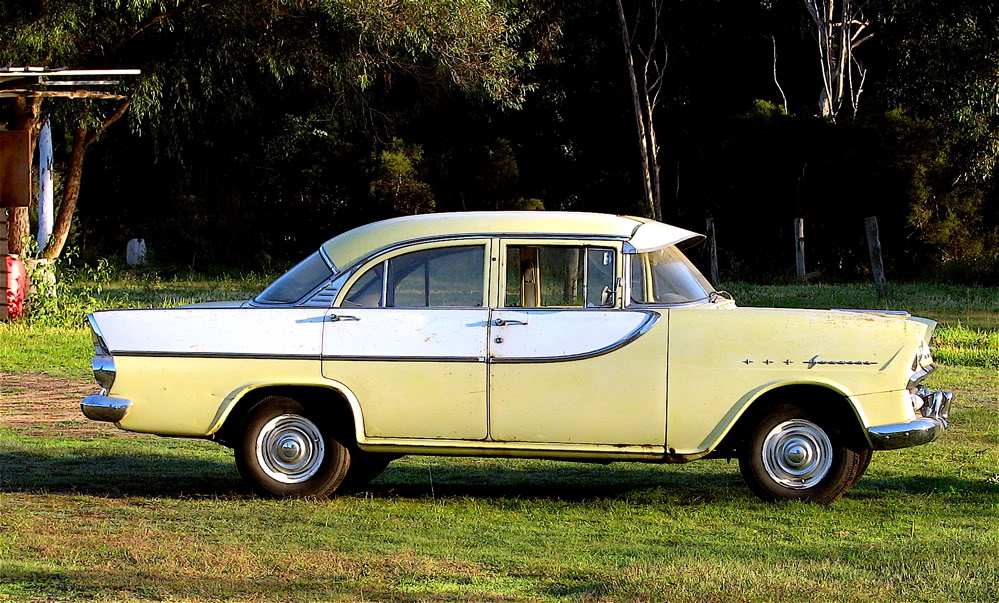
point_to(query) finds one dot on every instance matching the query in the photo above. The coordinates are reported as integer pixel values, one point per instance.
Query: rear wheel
(287, 449)
(794, 454)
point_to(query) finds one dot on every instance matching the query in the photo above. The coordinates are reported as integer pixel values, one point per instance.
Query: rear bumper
(935, 411)
(105, 408)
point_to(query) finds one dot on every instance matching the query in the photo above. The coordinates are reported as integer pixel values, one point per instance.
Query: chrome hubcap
(290, 449)
(797, 454)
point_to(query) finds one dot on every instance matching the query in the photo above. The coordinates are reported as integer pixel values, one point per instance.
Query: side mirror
(606, 297)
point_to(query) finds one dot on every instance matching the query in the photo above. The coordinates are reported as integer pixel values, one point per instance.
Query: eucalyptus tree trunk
(82, 139)
(645, 86)
(45, 192)
(640, 120)
(839, 26)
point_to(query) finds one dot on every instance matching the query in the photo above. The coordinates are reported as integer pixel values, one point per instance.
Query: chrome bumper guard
(935, 410)
(105, 408)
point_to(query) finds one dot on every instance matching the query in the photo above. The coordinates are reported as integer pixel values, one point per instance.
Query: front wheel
(286, 449)
(364, 467)
(793, 454)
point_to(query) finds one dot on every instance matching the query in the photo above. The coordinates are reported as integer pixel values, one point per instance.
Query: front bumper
(935, 411)
(105, 408)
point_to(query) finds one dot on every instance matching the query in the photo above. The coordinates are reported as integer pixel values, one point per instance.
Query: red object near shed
(16, 285)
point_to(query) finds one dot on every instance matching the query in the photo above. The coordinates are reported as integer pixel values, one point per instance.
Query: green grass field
(116, 517)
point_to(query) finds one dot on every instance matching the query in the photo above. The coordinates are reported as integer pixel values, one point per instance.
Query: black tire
(364, 467)
(865, 460)
(286, 449)
(794, 454)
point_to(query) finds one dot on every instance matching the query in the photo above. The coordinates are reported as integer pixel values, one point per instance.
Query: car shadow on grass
(172, 476)
(882, 487)
(550, 480)
(120, 476)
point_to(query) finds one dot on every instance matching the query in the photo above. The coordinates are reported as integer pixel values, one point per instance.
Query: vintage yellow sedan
(553, 335)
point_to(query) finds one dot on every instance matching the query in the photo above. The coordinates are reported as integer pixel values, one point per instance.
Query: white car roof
(641, 234)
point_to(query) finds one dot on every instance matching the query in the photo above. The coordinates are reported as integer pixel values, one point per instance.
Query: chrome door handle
(499, 322)
(339, 317)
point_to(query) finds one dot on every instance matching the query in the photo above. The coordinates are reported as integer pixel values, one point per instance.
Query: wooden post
(709, 229)
(799, 246)
(877, 265)
(3, 263)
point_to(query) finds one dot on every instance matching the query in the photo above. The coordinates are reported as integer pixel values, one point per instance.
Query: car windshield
(666, 276)
(294, 284)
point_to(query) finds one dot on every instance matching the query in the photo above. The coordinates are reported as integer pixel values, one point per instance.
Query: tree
(943, 66)
(397, 185)
(209, 60)
(646, 85)
(839, 30)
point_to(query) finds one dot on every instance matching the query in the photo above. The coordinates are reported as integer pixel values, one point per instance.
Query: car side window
(441, 277)
(366, 291)
(637, 280)
(542, 276)
(666, 276)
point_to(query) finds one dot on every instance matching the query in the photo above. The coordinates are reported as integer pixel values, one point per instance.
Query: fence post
(709, 228)
(799, 245)
(3, 263)
(877, 265)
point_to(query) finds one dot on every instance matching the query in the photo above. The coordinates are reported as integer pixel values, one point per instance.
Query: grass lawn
(119, 517)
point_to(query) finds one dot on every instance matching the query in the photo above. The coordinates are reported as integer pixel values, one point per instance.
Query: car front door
(407, 336)
(567, 364)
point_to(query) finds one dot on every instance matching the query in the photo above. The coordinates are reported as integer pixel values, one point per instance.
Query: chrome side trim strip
(470, 359)
(105, 408)
(651, 318)
(250, 356)
(901, 313)
(236, 355)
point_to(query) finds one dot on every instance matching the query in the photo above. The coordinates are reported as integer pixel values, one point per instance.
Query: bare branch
(775, 74)
(153, 20)
(862, 40)
(93, 136)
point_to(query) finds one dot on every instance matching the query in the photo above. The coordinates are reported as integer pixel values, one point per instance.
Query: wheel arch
(337, 397)
(829, 397)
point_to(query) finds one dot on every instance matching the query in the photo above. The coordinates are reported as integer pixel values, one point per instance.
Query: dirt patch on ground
(42, 404)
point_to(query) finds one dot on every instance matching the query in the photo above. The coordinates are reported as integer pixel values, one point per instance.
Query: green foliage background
(259, 129)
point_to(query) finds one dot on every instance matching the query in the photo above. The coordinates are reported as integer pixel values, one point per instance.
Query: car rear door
(408, 339)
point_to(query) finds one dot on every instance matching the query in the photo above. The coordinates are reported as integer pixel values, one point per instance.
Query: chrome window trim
(484, 243)
(585, 247)
(383, 299)
(329, 262)
(482, 235)
(664, 306)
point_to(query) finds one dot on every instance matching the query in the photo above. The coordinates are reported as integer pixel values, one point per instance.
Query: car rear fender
(243, 398)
